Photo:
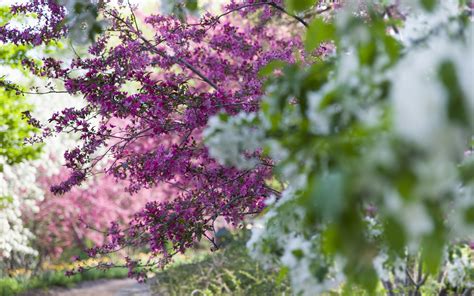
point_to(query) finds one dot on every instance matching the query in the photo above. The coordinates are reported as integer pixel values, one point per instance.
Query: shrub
(48, 279)
(228, 271)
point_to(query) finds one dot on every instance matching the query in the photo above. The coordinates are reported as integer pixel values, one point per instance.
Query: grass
(48, 279)
(229, 271)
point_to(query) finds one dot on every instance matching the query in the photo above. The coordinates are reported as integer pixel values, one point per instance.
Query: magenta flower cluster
(148, 100)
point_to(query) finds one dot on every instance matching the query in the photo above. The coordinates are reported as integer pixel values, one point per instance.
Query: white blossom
(379, 265)
(420, 24)
(229, 140)
(457, 269)
(20, 190)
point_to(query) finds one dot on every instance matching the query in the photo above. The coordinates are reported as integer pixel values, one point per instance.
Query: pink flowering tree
(161, 89)
(77, 219)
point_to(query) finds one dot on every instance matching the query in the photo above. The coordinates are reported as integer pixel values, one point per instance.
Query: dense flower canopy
(148, 100)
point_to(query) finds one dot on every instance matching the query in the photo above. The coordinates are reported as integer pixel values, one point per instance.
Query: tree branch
(299, 19)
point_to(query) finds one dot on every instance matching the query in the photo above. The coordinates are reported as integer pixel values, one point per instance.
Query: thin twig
(299, 19)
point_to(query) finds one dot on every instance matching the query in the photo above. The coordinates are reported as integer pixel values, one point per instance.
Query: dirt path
(125, 287)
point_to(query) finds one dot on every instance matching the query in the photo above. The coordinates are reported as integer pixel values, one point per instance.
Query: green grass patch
(228, 271)
(48, 279)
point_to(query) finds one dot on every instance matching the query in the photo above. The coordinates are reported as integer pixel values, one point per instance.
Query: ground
(122, 287)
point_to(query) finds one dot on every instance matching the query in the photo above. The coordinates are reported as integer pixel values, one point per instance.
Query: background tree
(16, 188)
(180, 76)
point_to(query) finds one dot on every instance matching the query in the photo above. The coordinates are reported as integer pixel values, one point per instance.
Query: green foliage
(316, 117)
(299, 5)
(192, 5)
(13, 129)
(12, 55)
(270, 67)
(458, 104)
(228, 271)
(319, 31)
(429, 5)
(10, 286)
(326, 195)
(49, 279)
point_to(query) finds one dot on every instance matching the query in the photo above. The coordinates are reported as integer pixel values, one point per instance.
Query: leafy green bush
(228, 271)
(14, 286)
(9, 286)
(13, 129)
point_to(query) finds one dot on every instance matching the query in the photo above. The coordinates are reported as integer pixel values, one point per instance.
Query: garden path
(122, 287)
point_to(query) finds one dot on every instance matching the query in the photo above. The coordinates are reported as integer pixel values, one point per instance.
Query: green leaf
(268, 69)
(223, 116)
(327, 195)
(393, 48)
(457, 109)
(429, 5)
(330, 240)
(434, 243)
(395, 235)
(466, 170)
(319, 31)
(367, 53)
(7, 199)
(469, 215)
(368, 279)
(299, 5)
(298, 253)
(282, 275)
(432, 253)
(192, 5)
(405, 182)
